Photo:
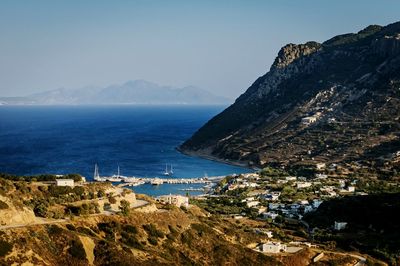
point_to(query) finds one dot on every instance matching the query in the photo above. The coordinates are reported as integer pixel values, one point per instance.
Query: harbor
(137, 181)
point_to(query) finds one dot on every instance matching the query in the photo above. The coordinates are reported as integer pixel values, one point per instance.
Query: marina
(137, 181)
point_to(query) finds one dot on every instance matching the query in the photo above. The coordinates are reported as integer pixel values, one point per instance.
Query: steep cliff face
(334, 101)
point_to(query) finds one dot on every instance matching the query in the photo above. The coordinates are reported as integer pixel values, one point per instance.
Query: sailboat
(170, 172)
(96, 175)
(115, 178)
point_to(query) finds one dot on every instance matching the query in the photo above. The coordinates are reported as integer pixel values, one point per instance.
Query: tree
(112, 200)
(124, 207)
(75, 177)
(40, 210)
(101, 193)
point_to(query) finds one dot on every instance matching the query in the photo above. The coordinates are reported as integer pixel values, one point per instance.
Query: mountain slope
(347, 88)
(131, 92)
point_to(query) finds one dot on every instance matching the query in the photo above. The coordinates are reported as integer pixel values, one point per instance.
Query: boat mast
(96, 172)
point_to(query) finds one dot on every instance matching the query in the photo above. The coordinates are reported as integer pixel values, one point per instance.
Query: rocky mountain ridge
(334, 102)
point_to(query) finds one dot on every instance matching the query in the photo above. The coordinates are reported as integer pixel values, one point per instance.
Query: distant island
(131, 92)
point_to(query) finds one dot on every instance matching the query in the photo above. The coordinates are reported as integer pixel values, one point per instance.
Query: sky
(221, 46)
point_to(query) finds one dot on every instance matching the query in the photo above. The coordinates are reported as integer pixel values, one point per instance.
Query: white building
(308, 208)
(273, 196)
(273, 247)
(339, 225)
(272, 215)
(303, 184)
(308, 120)
(321, 176)
(176, 200)
(250, 204)
(320, 166)
(351, 189)
(290, 178)
(316, 203)
(64, 182)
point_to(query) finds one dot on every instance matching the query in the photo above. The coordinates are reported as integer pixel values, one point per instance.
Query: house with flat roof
(64, 182)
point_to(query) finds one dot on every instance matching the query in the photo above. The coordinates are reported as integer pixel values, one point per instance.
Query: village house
(291, 178)
(250, 204)
(308, 120)
(261, 209)
(272, 215)
(64, 182)
(303, 184)
(339, 225)
(316, 203)
(320, 166)
(273, 247)
(273, 196)
(176, 200)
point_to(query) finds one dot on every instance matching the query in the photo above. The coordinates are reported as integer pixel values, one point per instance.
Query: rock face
(15, 216)
(335, 101)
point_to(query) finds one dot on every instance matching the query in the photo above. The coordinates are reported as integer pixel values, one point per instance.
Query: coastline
(209, 157)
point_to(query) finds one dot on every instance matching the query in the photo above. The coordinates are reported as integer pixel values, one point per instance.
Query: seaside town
(270, 203)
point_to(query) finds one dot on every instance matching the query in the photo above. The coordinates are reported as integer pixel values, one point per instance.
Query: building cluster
(177, 200)
(292, 210)
(266, 195)
(308, 120)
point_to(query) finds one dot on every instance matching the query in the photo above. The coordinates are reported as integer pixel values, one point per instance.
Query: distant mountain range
(131, 92)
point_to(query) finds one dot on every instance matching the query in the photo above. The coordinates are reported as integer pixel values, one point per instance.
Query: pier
(136, 181)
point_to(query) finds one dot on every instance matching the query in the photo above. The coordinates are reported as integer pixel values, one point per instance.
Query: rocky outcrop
(351, 78)
(388, 45)
(14, 215)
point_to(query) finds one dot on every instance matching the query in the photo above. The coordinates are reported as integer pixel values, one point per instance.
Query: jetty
(136, 181)
(132, 181)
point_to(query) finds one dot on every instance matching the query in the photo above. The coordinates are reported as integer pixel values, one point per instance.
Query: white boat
(96, 176)
(135, 184)
(113, 179)
(118, 177)
(156, 181)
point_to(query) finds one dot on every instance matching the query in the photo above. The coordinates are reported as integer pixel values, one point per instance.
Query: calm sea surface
(71, 139)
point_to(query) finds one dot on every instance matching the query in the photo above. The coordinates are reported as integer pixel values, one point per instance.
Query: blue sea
(140, 139)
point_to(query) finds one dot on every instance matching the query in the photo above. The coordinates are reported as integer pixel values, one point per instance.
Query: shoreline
(216, 159)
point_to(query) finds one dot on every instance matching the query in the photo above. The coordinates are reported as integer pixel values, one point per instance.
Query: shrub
(78, 190)
(124, 207)
(5, 248)
(101, 193)
(152, 230)
(85, 230)
(107, 206)
(112, 200)
(71, 227)
(40, 210)
(75, 177)
(76, 250)
(54, 229)
(152, 240)
(3, 205)
(131, 240)
(56, 191)
(201, 228)
(172, 229)
(130, 229)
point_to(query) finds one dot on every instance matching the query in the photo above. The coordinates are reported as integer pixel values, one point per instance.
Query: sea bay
(141, 140)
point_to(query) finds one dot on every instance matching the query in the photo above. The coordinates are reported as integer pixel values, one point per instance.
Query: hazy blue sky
(222, 46)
